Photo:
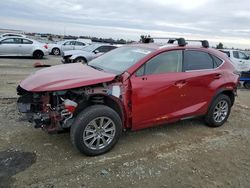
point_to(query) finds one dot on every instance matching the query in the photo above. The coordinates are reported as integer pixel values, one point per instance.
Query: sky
(226, 21)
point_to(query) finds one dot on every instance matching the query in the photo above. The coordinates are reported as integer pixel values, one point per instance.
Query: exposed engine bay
(55, 111)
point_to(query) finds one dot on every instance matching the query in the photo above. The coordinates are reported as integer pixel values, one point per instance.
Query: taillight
(45, 46)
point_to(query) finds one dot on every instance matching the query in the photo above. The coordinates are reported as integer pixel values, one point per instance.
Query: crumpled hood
(76, 52)
(61, 77)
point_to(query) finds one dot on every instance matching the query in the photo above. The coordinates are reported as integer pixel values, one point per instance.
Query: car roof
(162, 47)
(10, 37)
(230, 50)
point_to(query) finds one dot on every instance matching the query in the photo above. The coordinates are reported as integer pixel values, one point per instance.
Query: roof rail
(181, 41)
(204, 43)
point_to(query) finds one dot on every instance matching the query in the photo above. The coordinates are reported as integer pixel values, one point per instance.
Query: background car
(58, 47)
(21, 46)
(239, 59)
(86, 54)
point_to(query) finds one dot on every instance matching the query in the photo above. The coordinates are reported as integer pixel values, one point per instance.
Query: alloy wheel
(220, 111)
(99, 133)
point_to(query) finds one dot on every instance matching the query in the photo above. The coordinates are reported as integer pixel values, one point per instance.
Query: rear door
(202, 78)
(26, 48)
(69, 45)
(79, 45)
(10, 47)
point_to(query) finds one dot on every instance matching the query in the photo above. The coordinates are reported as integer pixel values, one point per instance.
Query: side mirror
(246, 58)
(96, 51)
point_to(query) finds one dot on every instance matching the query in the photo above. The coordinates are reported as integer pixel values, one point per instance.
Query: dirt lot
(184, 154)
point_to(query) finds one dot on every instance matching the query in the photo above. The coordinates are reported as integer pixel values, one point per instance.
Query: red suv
(132, 87)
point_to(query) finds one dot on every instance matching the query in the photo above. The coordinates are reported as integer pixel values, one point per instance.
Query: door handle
(144, 78)
(180, 83)
(217, 76)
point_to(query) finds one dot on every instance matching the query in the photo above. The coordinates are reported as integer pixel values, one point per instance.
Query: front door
(157, 90)
(10, 47)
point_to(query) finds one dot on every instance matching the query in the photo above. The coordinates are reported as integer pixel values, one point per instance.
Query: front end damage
(55, 111)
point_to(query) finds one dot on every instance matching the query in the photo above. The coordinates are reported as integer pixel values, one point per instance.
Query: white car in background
(87, 54)
(60, 46)
(22, 46)
(239, 59)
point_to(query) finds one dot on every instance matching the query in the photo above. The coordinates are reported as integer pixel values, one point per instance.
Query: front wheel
(219, 111)
(80, 60)
(96, 130)
(56, 51)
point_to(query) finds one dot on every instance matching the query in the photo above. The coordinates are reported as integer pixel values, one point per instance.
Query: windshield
(120, 59)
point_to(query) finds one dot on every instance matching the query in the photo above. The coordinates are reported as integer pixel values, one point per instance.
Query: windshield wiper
(98, 68)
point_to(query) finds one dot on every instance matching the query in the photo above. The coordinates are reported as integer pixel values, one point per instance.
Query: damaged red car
(132, 87)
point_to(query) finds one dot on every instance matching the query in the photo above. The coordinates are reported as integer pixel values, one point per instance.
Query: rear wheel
(96, 130)
(38, 54)
(80, 60)
(219, 111)
(247, 84)
(56, 51)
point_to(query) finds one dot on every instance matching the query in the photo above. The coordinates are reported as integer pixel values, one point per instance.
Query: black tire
(211, 117)
(247, 84)
(56, 51)
(80, 60)
(38, 54)
(82, 124)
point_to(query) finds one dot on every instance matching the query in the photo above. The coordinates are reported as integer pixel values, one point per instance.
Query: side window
(25, 41)
(236, 54)
(197, 60)
(242, 56)
(79, 43)
(165, 62)
(104, 49)
(12, 41)
(69, 43)
(217, 61)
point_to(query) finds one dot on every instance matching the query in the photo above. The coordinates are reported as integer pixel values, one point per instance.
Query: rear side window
(164, 63)
(197, 60)
(25, 41)
(79, 43)
(217, 61)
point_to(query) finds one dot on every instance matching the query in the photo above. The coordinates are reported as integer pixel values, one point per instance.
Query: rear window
(226, 52)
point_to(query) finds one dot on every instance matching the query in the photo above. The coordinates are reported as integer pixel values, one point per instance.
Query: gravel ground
(183, 154)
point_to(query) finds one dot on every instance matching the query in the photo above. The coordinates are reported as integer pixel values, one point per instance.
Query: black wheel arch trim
(229, 92)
